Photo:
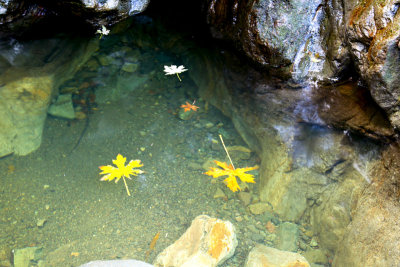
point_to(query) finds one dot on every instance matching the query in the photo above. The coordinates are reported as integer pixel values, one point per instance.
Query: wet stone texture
(310, 39)
(306, 170)
(268, 32)
(372, 238)
(373, 33)
(19, 17)
(349, 106)
(28, 85)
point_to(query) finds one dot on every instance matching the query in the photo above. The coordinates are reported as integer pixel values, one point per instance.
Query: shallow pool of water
(53, 198)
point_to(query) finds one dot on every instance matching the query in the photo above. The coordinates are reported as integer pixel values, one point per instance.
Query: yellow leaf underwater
(121, 170)
(232, 173)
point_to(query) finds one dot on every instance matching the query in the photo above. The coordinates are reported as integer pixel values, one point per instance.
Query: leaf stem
(126, 186)
(226, 150)
(178, 77)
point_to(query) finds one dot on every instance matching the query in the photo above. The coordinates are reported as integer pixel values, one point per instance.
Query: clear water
(53, 198)
(135, 114)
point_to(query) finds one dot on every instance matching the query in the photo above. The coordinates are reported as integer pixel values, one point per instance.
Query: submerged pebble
(40, 223)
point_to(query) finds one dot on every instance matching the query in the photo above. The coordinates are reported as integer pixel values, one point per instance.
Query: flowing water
(53, 198)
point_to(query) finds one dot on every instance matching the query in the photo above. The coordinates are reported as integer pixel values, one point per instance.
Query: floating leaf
(188, 107)
(232, 173)
(121, 171)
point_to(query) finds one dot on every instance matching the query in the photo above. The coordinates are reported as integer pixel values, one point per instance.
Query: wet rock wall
(317, 40)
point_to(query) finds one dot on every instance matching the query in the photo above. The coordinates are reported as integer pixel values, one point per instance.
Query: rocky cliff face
(313, 39)
(373, 35)
(327, 41)
(282, 36)
(20, 17)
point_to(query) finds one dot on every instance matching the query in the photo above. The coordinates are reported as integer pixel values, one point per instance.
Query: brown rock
(350, 106)
(373, 31)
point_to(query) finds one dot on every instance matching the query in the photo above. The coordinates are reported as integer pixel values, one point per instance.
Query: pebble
(245, 197)
(313, 243)
(308, 233)
(40, 223)
(130, 67)
(259, 208)
(195, 166)
(253, 229)
(238, 218)
(302, 246)
(271, 237)
(80, 115)
(257, 238)
(219, 193)
(209, 125)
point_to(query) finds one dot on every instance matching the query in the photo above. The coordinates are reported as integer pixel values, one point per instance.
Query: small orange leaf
(188, 106)
(270, 227)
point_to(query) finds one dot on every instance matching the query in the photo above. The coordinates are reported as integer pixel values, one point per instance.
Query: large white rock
(28, 84)
(23, 106)
(206, 243)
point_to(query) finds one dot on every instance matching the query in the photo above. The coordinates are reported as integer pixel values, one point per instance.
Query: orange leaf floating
(189, 106)
(232, 173)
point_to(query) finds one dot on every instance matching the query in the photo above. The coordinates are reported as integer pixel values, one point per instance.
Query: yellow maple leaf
(121, 171)
(232, 173)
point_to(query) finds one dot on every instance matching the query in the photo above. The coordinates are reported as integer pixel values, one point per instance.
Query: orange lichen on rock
(265, 256)
(39, 94)
(298, 264)
(219, 239)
